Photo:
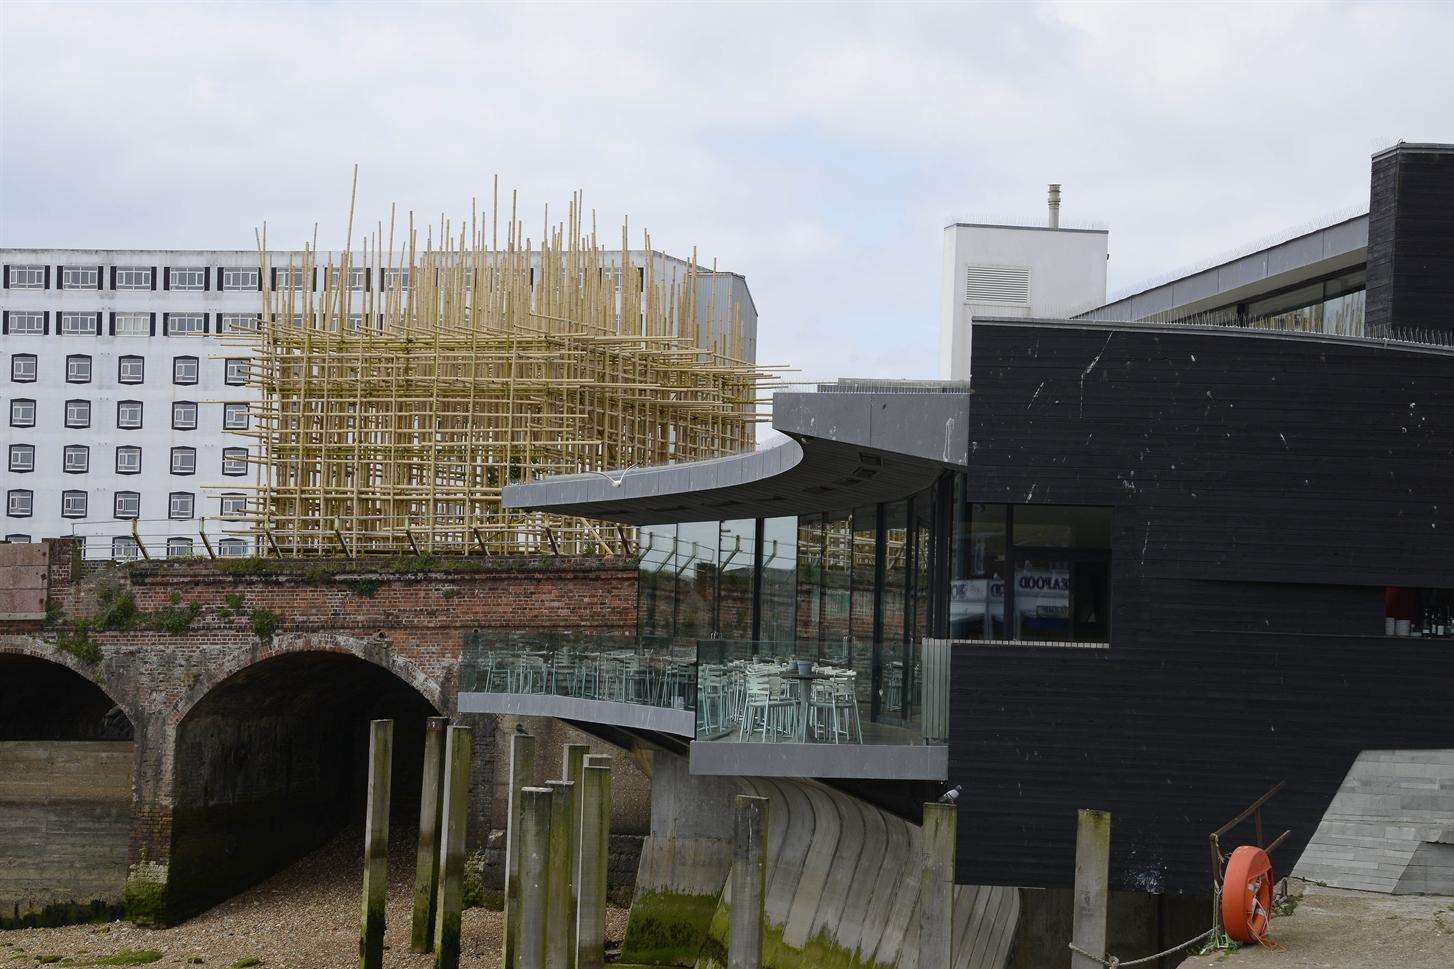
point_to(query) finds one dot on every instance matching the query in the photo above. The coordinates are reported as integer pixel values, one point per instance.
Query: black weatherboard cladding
(1264, 489)
(1411, 238)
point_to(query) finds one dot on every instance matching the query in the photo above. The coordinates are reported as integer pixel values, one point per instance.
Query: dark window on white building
(22, 458)
(78, 413)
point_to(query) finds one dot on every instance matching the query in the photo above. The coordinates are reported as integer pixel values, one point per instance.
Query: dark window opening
(1419, 613)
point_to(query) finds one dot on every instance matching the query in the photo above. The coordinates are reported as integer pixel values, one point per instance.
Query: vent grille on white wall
(997, 284)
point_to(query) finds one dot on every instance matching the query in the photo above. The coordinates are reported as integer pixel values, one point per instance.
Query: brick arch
(93, 674)
(370, 650)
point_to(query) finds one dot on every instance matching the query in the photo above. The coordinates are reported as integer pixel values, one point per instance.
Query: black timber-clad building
(1154, 567)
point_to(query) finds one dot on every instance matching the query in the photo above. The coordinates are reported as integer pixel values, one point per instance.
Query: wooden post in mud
(595, 799)
(426, 860)
(936, 899)
(534, 847)
(522, 774)
(376, 845)
(749, 883)
(1090, 896)
(457, 746)
(560, 921)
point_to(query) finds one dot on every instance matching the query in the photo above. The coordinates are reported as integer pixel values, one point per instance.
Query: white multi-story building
(126, 405)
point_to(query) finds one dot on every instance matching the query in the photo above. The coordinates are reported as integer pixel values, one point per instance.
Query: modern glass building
(1152, 567)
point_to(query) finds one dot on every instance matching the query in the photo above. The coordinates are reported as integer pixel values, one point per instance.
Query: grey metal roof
(1332, 248)
(845, 449)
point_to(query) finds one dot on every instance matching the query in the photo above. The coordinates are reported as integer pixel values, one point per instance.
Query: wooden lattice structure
(400, 397)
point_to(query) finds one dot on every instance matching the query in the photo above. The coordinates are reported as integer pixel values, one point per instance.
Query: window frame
(128, 450)
(175, 542)
(78, 358)
(228, 322)
(140, 412)
(196, 370)
(196, 415)
(122, 361)
(38, 317)
(182, 450)
(228, 454)
(172, 505)
(12, 283)
(169, 320)
(119, 273)
(14, 401)
(82, 449)
(127, 316)
(19, 358)
(228, 409)
(11, 495)
(116, 500)
(76, 423)
(253, 280)
(67, 315)
(173, 284)
(227, 365)
(231, 548)
(66, 270)
(223, 501)
(16, 450)
(79, 493)
(129, 544)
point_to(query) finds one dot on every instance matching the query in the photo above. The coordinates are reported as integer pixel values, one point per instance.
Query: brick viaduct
(246, 687)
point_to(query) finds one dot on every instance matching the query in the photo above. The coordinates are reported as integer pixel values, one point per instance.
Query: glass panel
(778, 596)
(922, 590)
(735, 554)
(862, 633)
(1042, 598)
(889, 677)
(1062, 526)
(696, 566)
(977, 589)
(810, 583)
(656, 580)
(1090, 601)
(837, 590)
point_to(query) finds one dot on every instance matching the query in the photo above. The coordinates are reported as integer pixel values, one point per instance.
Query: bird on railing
(951, 795)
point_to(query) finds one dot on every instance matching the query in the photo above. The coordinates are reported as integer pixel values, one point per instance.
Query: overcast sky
(817, 149)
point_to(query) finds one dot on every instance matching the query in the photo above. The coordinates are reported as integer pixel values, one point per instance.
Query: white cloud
(817, 149)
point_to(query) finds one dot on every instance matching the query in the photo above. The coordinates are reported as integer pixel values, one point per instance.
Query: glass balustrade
(620, 667)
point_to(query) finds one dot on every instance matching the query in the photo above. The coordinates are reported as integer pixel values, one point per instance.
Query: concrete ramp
(1390, 827)
(843, 881)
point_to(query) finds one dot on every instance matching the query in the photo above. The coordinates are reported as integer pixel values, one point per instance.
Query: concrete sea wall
(843, 886)
(65, 812)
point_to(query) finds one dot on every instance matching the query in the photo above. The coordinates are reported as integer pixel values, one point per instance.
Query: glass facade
(833, 627)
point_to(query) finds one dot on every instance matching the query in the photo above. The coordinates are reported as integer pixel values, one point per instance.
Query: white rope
(1115, 963)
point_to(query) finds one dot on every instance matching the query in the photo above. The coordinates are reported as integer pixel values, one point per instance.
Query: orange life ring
(1247, 895)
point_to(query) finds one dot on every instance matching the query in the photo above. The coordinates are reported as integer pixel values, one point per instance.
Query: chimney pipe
(1054, 205)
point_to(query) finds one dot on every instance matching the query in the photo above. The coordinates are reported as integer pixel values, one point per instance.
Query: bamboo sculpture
(403, 392)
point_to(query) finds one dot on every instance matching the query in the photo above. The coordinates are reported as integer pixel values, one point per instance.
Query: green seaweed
(126, 957)
(63, 913)
(145, 903)
(668, 928)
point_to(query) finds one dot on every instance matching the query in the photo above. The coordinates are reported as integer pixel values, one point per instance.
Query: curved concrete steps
(843, 884)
